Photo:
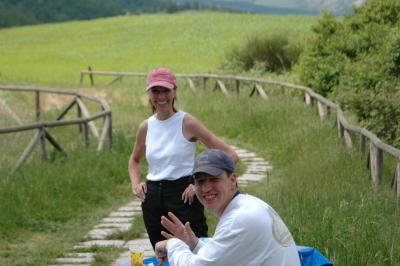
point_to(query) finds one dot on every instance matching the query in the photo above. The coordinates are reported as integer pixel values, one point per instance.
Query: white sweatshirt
(249, 232)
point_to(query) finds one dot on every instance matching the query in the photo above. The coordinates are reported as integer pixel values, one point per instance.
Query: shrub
(323, 61)
(356, 61)
(272, 53)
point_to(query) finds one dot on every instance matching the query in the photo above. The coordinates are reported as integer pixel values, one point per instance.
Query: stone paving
(121, 220)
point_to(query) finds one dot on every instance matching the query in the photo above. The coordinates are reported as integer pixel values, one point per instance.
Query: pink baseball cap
(161, 77)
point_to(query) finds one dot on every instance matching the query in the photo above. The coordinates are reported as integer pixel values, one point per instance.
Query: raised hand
(178, 230)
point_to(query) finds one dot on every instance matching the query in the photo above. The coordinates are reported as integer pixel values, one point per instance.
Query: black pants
(166, 196)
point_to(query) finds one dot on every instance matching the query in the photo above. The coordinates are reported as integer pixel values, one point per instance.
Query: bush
(265, 53)
(356, 62)
(323, 61)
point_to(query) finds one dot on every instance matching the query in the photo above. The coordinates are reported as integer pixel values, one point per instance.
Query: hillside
(55, 53)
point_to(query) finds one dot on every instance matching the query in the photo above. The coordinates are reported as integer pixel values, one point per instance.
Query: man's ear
(233, 177)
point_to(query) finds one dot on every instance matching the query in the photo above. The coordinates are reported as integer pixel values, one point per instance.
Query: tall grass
(42, 200)
(321, 189)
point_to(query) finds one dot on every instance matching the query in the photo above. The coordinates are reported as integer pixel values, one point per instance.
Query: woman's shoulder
(143, 126)
(189, 119)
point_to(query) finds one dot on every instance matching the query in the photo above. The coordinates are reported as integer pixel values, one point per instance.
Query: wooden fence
(84, 120)
(346, 131)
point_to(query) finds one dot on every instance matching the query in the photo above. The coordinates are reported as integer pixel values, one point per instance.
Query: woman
(168, 138)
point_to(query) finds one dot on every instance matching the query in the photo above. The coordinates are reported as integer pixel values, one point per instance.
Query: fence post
(27, 152)
(41, 132)
(308, 99)
(340, 127)
(322, 110)
(219, 84)
(237, 86)
(396, 179)
(260, 91)
(348, 141)
(105, 133)
(283, 89)
(37, 105)
(86, 134)
(362, 145)
(203, 83)
(110, 131)
(191, 84)
(376, 162)
(79, 114)
(81, 79)
(91, 75)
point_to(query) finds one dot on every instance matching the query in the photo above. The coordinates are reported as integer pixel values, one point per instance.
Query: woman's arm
(139, 189)
(194, 130)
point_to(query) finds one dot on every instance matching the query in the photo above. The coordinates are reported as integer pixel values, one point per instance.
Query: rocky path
(121, 220)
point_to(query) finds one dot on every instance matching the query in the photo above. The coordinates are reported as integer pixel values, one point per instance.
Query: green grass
(321, 189)
(54, 54)
(47, 207)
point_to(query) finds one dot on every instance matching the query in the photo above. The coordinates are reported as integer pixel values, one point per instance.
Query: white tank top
(169, 154)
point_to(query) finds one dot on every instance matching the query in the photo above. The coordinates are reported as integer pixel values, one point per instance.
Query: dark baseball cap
(213, 162)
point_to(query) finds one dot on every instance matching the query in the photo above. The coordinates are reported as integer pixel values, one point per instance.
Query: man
(249, 231)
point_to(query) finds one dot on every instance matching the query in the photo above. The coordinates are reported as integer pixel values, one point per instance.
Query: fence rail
(346, 131)
(85, 121)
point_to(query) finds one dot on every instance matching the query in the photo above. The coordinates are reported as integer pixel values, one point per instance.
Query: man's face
(215, 192)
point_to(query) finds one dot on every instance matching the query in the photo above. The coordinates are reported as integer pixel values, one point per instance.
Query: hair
(153, 108)
(229, 174)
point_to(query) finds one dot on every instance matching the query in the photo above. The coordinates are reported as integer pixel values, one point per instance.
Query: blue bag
(311, 257)
(154, 261)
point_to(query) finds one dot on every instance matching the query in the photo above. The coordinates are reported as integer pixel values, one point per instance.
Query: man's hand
(178, 230)
(161, 251)
(140, 190)
(189, 194)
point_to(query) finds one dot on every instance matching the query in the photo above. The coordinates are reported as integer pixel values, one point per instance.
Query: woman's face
(161, 98)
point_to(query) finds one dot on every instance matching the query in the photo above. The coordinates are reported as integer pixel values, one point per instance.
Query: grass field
(320, 188)
(187, 42)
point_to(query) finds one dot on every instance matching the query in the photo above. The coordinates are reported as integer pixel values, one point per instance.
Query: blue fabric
(308, 257)
(146, 262)
(154, 261)
(311, 257)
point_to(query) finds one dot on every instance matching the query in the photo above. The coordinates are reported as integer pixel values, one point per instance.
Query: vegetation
(321, 190)
(23, 12)
(357, 62)
(263, 53)
(44, 202)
